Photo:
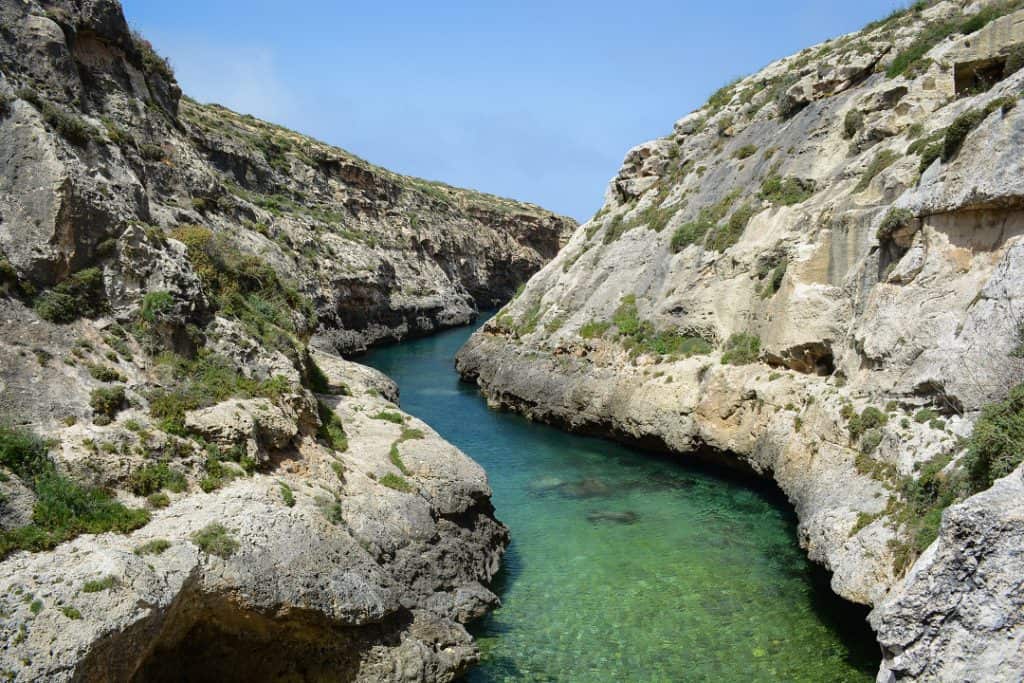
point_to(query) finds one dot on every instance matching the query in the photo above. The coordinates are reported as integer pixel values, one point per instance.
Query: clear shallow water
(628, 567)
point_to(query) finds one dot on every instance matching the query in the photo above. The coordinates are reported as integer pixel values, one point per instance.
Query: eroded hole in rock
(979, 76)
(814, 358)
(203, 637)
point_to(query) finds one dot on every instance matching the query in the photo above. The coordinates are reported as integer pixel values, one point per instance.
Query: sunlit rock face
(820, 272)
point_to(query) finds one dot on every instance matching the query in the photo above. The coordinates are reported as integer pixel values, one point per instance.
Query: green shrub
(23, 453)
(690, 233)
(152, 62)
(882, 161)
(853, 122)
(964, 124)
(331, 431)
(894, 220)
(287, 495)
(786, 191)
(81, 295)
(99, 585)
(63, 508)
(203, 382)
(741, 349)
(870, 418)
(107, 401)
(215, 539)
(245, 287)
(105, 373)
(67, 124)
(153, 478)
(728, 234)
(156, 305)
(393, 481)
(924, 415)
(71, 612)
(158, 500)
(155, 547)
(870, 441)
(996, 446)
(389, 416)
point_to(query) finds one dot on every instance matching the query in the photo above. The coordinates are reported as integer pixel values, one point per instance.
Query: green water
(690, 575)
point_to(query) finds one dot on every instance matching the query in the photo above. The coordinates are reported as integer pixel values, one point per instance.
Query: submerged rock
(626, 517)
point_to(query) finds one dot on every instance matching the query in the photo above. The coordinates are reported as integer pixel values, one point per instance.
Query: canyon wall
(817, 277)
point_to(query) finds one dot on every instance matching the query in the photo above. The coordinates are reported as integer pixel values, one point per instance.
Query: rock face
(382, 256)
(219, 495)
(817, 277)
(333, 575)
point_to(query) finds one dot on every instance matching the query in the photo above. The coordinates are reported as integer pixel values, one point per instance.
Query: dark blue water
(629, 567)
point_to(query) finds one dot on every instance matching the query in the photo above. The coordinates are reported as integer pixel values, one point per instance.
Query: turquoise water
(628, 567)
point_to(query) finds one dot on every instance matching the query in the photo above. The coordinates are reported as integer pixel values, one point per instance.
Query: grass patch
(393, 481)
(156, 305)
(158, 500)
(745, 152)
(594, 329)
(331, 430)
(63, 508)
(287, 495)
(729, 233)
(71, 612)
(741, 349)
(389, 416)
(151, 479)
(205, 381)
(786, 191)
(396, 460)
(215, 539)
(707, 220)
(640, 336)
(155, 547)
(99, 585)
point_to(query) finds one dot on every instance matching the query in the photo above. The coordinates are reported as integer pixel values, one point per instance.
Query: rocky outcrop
(311, 568)
(95, 133)
(816, 278)
(961, 612)
(193, 484)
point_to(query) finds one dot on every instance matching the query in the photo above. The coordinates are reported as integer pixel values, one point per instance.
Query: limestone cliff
(96, 138)
(193, 484)
(818, 277)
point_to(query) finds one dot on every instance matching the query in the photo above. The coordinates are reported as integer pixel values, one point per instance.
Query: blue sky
(529, 99)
